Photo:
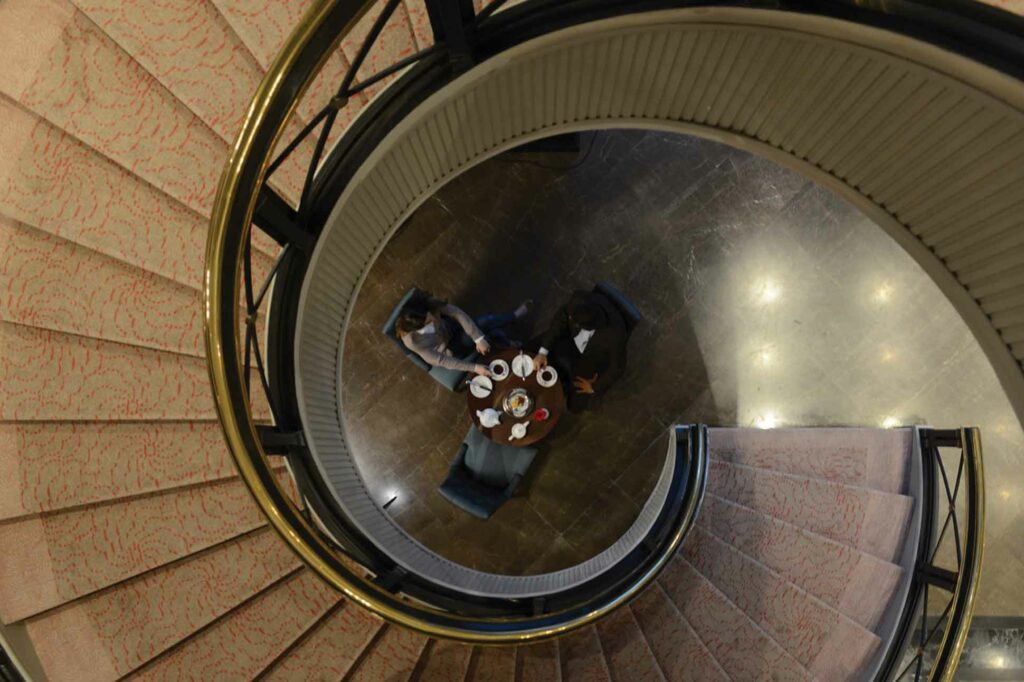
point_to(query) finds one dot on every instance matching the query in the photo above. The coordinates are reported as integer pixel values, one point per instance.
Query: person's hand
(482, 347)
(584, 385)
(540, 362)
(482, 370)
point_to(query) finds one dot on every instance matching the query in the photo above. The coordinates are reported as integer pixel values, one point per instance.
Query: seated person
(587, 341)
(442, 334)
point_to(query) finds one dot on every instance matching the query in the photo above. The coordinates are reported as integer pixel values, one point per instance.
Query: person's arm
(465, 321)
(436, 358)
(559, 327)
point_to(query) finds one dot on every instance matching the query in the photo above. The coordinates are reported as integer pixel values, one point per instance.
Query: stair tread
(52, 182)
(742, 648)
(626, 652)
(47, 375)
(582, 658)
(56, 558)
(827, 644)
(445, 661)
(330, 650)
(246, 640)
(392, 656)
(492, 664)
(867, 457)
(106, 460)
(677, 648)
(111, 633)
(856, 584)
(869, 520)
(113, 301)
(164, 142)
(539, 662)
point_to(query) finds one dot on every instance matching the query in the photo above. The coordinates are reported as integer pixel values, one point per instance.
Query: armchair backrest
(630, 313)
(391, 333)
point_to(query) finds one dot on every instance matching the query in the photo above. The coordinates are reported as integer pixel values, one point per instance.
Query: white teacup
(489, 417)
(518, 430)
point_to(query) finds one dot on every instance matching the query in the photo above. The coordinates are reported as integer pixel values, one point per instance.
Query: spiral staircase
(129, 544)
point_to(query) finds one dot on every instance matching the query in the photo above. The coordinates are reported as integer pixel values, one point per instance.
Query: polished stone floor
(768, 301)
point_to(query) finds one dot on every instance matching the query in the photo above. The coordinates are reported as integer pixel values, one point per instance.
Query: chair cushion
(495, 463)
(471, 496)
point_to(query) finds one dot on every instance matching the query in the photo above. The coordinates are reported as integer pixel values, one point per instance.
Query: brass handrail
(965, 593)
(273, 106)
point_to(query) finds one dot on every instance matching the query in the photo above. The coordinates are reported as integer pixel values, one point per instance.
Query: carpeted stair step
(166, 144)
(540, 662)
(245, 641)
(50, 181)
(829, 645)
(869, 458)
(110, 299)
(330, 648)
(856, 584)
(191, 50)
(48, 375)
(582, 658)
(50, 466)
(444, 661)
(871, 521)
(492, 664)
(112, 632)
(739, 645)
(677, 648)
(626, 651)
(393, 655)
(55, 558)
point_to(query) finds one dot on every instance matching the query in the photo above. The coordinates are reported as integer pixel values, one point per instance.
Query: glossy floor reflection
(768, 301)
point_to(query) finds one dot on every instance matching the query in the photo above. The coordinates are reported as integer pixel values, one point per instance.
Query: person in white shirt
(587, 341)
(443, 334)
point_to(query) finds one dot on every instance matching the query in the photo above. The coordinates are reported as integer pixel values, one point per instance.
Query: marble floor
(767, 301)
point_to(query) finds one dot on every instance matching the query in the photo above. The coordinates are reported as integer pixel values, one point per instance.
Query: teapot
(489, 418)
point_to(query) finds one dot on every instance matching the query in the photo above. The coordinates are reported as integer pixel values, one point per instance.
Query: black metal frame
(930, 579)
(963, 26)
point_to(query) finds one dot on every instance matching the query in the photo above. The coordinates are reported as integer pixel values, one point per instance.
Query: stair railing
(245, 197)
(934, 624)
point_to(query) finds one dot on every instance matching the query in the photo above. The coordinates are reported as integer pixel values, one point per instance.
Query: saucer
(499, 369)
(547, 376)
(480, 386)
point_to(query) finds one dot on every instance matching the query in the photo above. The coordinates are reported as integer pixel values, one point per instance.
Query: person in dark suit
(586, 341)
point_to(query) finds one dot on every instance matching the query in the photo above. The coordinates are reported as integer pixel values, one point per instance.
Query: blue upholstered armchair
(630, 312)
(449, 378)
(485, 474)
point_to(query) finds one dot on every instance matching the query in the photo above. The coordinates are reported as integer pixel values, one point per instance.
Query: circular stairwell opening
(768, 301)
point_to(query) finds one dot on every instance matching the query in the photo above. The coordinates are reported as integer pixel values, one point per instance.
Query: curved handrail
(909, 658)
(250, 162)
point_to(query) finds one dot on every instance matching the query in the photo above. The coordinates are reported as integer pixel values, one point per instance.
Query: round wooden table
(552, 398)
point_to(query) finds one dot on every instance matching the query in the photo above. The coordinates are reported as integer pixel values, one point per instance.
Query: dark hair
(414, 312)
(587, 315)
